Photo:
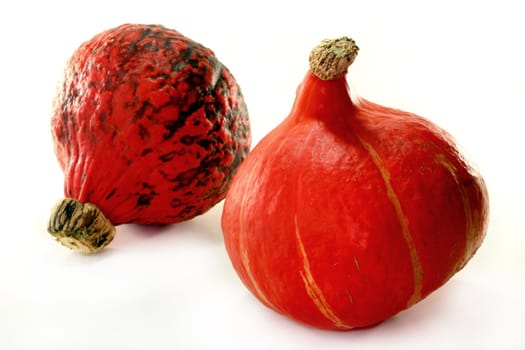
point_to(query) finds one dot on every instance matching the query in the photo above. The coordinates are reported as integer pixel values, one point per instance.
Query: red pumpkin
(349, 212)
(148, 127)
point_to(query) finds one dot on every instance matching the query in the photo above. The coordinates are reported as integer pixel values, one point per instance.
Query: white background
(458, 63)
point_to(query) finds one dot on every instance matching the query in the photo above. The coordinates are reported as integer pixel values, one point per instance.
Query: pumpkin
(148, 127)
(349, 212)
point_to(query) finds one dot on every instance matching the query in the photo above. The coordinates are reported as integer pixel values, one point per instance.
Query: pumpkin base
(81, 227)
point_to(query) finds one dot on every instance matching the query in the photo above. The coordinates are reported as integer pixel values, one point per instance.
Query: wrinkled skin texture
(348, 213)
(148, 125)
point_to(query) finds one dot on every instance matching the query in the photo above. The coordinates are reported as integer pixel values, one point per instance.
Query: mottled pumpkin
(148, 126)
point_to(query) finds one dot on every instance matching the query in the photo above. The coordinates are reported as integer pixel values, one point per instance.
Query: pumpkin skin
(148, 125)
(350, 212)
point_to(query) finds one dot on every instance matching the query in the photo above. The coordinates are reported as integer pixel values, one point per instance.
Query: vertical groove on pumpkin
(356, 262)
(245, 259)
(403, 221)
(469, 219)
(312, 289)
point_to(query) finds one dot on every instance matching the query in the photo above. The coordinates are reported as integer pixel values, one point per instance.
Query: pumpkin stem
(80, 226)
(331, 58)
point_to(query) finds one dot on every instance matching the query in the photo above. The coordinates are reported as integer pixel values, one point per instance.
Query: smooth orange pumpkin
(349, 212)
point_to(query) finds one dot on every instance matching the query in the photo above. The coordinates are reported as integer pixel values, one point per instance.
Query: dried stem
(332, 57)
(80, 226)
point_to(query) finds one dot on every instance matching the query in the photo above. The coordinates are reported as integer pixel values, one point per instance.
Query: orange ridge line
(403, 221)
